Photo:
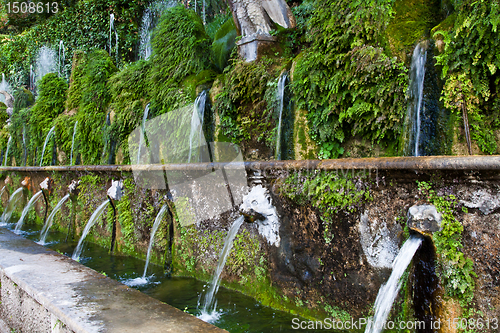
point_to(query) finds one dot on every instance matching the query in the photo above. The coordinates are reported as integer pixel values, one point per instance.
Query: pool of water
(237, 312)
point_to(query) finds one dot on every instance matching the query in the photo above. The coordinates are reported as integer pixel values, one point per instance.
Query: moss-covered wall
(339, 232)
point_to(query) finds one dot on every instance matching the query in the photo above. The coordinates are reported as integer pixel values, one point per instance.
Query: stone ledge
(45, 291)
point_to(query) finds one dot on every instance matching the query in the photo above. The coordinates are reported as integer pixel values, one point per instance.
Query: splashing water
(97, 213)
(388, 292)
(73, 142)
(281, 96)
(26, 209)
(197, 123)
(7, 151)
(48, 223)
(209, 312)
(11, 205)
(45, 143)
(417, 76)
(111, 27)
(46, 62)
(143, 133)
(143, 279)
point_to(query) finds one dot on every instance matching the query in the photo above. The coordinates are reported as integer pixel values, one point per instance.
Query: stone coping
(83, 299)
(486, 163)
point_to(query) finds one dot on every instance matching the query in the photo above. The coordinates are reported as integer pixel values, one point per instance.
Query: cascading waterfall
(26, 209)
(143, 133)
(32, 78)
(143, 280)
(7, 151)
(48, 223)
(73, 142)
(197, 124)
(46, 62)
(97, 213)
(25, 149)
(145, 48)
(61, 59)
(11, 205)
(417, 76)
(111, 29)
(388, 292)
(209, 312)
(281, 98)
(45, 143)
(149, 22)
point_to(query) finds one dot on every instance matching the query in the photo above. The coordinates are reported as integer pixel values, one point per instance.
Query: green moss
(412, 22)
(329, 192)
(181, 48)
(456, 271)
(92, 108)
(224, 43)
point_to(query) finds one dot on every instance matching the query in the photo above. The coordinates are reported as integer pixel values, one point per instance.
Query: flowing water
(61, 60)
(388, 292)
(45, 143)
(32, 79)
(281, 98)
(11, 205)
(7, 151)
(417, 76)
(209, 312)
(196, 138)
(48, 223)
(97, 213)
(142, 141)
(111, 27)
(46, 62)
(240, 313)
(143, 279)
(26, 209)
(149, 22)
(73, 142)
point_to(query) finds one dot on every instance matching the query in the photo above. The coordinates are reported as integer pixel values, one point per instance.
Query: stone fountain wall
(298, 262)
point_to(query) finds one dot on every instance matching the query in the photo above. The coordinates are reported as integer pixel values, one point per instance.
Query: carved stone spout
(254, 21)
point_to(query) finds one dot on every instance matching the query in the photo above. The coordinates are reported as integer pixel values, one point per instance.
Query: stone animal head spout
(424, 219)
(73, 189)
(47, 185)
(115, 192)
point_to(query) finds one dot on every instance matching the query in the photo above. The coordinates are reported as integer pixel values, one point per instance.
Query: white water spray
(281, 97)
(196, 134)
(209, 312)
(50, 219)
(97, 213)
(45, 143)
(26, 209)
(143, 133)
(388, 292)
(11, 205)
(46, 62)
(417, 76)
(7, 151)
(61, 60)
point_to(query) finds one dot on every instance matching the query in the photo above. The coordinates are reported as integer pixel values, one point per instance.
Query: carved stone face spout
(254, 20)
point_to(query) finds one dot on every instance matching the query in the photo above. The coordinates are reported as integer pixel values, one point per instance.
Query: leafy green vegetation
(471, 70)
(329, 192)
(346, 81)
(457, 271)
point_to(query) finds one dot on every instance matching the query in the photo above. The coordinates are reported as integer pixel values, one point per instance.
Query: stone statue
(9, 101)
(254, 20)
(257, 16)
